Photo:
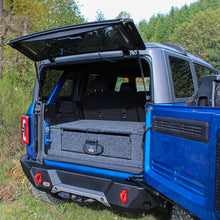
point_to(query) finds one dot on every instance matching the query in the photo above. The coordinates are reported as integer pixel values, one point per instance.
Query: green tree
(201, 36)
(147, 29)
(64, 12)
(160, 27)
(44, 14)
(142, 28)
(100, 15)
(123, 14)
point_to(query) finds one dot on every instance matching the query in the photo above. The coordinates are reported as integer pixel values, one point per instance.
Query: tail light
(25, 136)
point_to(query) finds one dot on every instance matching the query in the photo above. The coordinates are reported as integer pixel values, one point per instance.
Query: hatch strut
(142, 73)
(36, 68)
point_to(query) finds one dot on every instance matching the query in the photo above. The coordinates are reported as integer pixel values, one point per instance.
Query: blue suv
(121, 122)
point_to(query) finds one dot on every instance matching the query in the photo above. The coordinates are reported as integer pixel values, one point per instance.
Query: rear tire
(46, 197)
(179, 213)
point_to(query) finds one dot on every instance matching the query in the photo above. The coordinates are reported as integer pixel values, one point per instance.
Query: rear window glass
(182, 77)
(119, 82)
(140, 84)
(91, 83)
(100, 39)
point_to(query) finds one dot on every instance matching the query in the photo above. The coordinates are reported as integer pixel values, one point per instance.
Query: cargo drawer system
(115, 145)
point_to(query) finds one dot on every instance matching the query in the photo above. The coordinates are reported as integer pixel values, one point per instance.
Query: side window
(202, 71)
(140, 84)
(50, 80)
(67, 89)
(119, 81)
(182, 77)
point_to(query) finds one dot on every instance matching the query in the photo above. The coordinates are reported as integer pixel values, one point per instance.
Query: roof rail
(176, 47)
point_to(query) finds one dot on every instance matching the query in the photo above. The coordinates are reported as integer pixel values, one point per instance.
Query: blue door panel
(176, 164)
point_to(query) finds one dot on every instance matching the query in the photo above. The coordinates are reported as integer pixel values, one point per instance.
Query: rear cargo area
(98, 118)
(113, 145)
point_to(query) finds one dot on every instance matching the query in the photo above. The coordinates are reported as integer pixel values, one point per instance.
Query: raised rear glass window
(182, 77)
(102, 39)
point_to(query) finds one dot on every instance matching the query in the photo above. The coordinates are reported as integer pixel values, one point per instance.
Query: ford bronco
(131, 125)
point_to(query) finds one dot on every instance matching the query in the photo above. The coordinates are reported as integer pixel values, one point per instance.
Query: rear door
(182, 157)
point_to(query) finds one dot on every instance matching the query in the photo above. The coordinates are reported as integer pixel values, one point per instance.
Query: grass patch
(27, 207)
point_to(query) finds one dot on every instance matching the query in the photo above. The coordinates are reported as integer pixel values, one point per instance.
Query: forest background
(195, 27)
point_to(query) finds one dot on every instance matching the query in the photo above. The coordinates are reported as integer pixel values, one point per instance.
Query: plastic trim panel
(183, 128)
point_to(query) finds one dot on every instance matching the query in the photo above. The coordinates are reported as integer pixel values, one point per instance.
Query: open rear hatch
(109, 144)
(78, 39)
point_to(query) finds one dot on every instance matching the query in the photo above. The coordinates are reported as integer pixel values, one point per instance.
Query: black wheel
(179, 213)
(46, 197)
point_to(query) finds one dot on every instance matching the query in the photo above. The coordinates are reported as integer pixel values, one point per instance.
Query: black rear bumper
(124, 195)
